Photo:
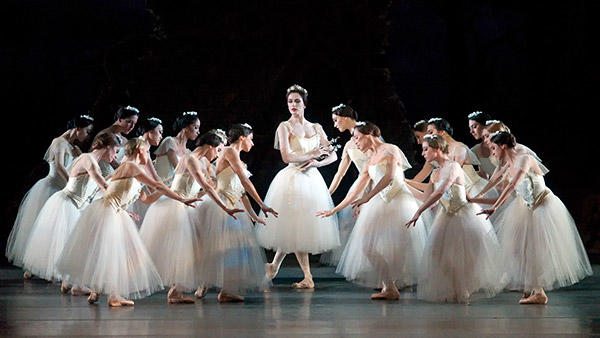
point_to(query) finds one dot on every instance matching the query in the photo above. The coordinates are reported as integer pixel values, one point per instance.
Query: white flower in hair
(431, 136)
(246, 125)
(496, 133)
(193, 113)
(339, 106)
(156, 120)
(489, 122)
(435, 119)
(87, 117)
(360, 123)
(132, 108)
(474, 114)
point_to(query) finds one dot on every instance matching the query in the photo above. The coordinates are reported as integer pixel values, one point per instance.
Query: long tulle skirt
(105, 253)
(297, 196)
(380, 247)
(461, 257)
(171, 241)
(541, 247)
(230, 257)
(32, 203)
(49, 235)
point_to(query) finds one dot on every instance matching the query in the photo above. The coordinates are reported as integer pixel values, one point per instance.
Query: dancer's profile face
(296, 105)
(128, 123)
(485, 136)
(155, 135)
(111, 153)
(213, 152)
(337, 122)
(497, 150)
(193, 130)
(361, 140)
(431, 129)
(475, 128)
(419, 136)
(83, 134)
(247, 142)
(428, 153)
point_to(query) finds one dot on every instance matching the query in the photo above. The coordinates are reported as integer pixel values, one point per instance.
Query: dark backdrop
(394, 62)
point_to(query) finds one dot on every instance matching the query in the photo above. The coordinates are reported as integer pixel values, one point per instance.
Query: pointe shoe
(386, 296)
(64, 288)
(80, 291)
(271, 272)
(201, 292)
(304, 284)
(525, 295)
(535, 298)
(27, 275)
(114, 302)
(126, 302)
(229, 298)
(93, 297)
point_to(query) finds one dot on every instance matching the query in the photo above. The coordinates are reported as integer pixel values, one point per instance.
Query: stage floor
(335, 308)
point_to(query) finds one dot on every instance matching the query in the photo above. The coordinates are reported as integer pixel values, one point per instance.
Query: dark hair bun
(238, 130)
(344, 110)
(368, 128)
(441, 125)
(504, 138)
(80, 121)
(125, 112)
(184, 120)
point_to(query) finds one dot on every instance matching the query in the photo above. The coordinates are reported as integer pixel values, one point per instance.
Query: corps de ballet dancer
(125, 121)
(230, 257)
(105, 252)
(173, 148)
(477, 121)
(168, 230)
(61, 212)
(461, 255)
(59, 156)
(298, 191)
(380, 251)
(344, 118)
(541, 247)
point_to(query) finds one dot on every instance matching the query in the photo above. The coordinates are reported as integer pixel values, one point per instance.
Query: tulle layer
(541, 247)
(106, 254)
(171, 241)
(297, 196)
(230, 256)
(50, 233)
(380, 247)
(461, 257)
(32, 203)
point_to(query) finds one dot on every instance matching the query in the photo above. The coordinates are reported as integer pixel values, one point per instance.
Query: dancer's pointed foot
(526, 295)
(229, 298)
(27, 275)
(126, 302)
(64, 287)
(537, 297)
(176, 297)
(271, 270)
(386, 295)
(306, 283)
(201, 292)
(80, 291)
(93, 297)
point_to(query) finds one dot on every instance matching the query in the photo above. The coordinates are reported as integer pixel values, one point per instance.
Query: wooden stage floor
(335, 308)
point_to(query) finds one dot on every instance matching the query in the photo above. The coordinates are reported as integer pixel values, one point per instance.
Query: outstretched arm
(342, 170)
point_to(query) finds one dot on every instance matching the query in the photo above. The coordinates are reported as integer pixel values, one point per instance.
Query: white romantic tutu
(380, 232)
(541, 247)
(51, 231)
(106, 254)
(139, 208)
(32, 203)
(229, 256)
(171, 241)
(297, 196)
(462, 254)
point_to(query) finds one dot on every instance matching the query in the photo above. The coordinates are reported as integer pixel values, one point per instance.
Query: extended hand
(260, 220)
(190, 201)
(487, 212)
(309, 164)
(325, 213)
(232, 212)
(413, 221)
(266, 210)
(356, 204)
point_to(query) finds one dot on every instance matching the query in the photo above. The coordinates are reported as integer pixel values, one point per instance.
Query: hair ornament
(154, 119)
(338, 107)
(474, 114)
(221, 133)
(431, 136)
(496, 133)
(490, 122)
(435, 119)
(133, 109)
(360, 123)
(297, 88)
(87, 117)
(192, 113)
(246, 125)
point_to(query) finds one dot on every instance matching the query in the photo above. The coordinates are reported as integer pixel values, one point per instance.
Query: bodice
(230, 186)
(122, 192)
(304, 145)
(185, 185)
(532, 188)
(487, 164)
(80, 189)
(358, 158)
(376, 173)
(454, 198)
(471, 175)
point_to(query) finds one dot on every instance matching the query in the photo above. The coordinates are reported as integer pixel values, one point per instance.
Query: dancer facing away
(344, 118)
(59, 155)
(61, 212)
(461, 255)
(541, 247)
(172, 149)
(298, 191)
(230, 258)
(125, 121)
(105, 252)
(380, 251)
(168, 230)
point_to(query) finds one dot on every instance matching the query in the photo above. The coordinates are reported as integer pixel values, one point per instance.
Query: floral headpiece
(221, 133)
(490, 122)
(192, 113)
(474, 114)
(87, 117)
(133, 109)
(297, 88)
(360, 123)
(435, 119)
(338, 107)
(246, 125)
(155, 120)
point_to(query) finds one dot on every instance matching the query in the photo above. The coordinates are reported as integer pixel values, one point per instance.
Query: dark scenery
(532, 66)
